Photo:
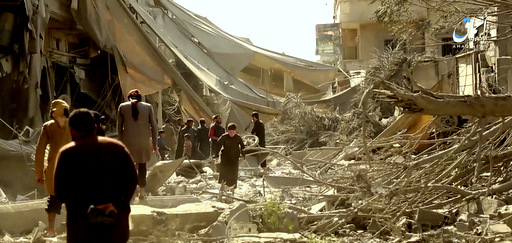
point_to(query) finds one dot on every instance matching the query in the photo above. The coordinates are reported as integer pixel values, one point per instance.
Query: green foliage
(273, 216)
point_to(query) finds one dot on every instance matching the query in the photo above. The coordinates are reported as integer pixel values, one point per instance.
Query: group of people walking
(96, 176)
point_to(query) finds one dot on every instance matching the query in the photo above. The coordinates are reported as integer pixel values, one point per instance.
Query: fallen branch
(488, 106)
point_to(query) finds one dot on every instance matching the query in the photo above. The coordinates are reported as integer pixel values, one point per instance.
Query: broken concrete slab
(279, 182)
(7, 239)
(160, 173)
(462, 227)
(351, 227)
(485, 206)
(242, 228)
(374, 226)
(299, 155)
(268, 237)
(504, 213)
(216, 230)
(329, 226)
(499, 229)
(431, 217)
(190, 169)
(169, 201)
(317, 207)
(238, 214)
(190, 217)
(21, 217)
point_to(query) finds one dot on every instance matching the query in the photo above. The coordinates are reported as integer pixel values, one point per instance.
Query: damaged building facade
(45, 55)
(480, 64)
(92, 52)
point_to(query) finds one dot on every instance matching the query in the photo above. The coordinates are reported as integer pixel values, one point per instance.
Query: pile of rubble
(369, 174)
(456, 189)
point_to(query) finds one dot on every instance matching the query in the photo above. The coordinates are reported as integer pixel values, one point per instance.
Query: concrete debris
(190, 217)
(190, 169)
(239, 214)
(160, 173)
(374, 226)
(217, 230)
(330, 226)
(20, 217)
(279, 182)
(269, 237)
(430, 217)
(500, 229)
(484, 206)
(7, 239)
(3, 197)
(462, 227)
(235, 229)
(376, 189)
(169, 201)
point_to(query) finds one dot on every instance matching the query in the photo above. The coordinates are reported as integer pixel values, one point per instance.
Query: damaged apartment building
(479, 64)
(45, 55)
(92, 52)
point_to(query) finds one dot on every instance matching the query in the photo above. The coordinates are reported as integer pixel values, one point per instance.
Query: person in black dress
(203, 141)
(232, 149)
(259, 131)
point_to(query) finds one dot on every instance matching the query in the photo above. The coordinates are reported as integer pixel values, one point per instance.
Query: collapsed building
(93, 52)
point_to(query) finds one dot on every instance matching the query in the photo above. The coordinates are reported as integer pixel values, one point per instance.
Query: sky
(279, 25)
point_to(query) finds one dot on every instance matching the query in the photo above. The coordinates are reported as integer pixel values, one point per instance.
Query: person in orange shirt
(55, 134)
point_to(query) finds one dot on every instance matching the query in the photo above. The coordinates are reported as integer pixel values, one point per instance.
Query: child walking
(232, 150)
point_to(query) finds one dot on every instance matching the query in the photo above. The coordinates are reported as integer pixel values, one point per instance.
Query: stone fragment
(20, 217)
(317, 207)
(330, 226)
(216, 230)
(170, 201)
(449, 230)
(505, 212)
(473, 223)
(180, 190)
(414, 239)
(374, 226)
(242, 228)
(485, 206)
(429, 216)
(462, 227)
(7, 239)
(37, 233)
(463, 217)
(190, 168)
(189, 217)
(500, 229)
(270, 237)
(160, 173)
(350, 227)
(239, 214)
(279, 182)
(490, 205)
(3, 197)
(416, 229)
